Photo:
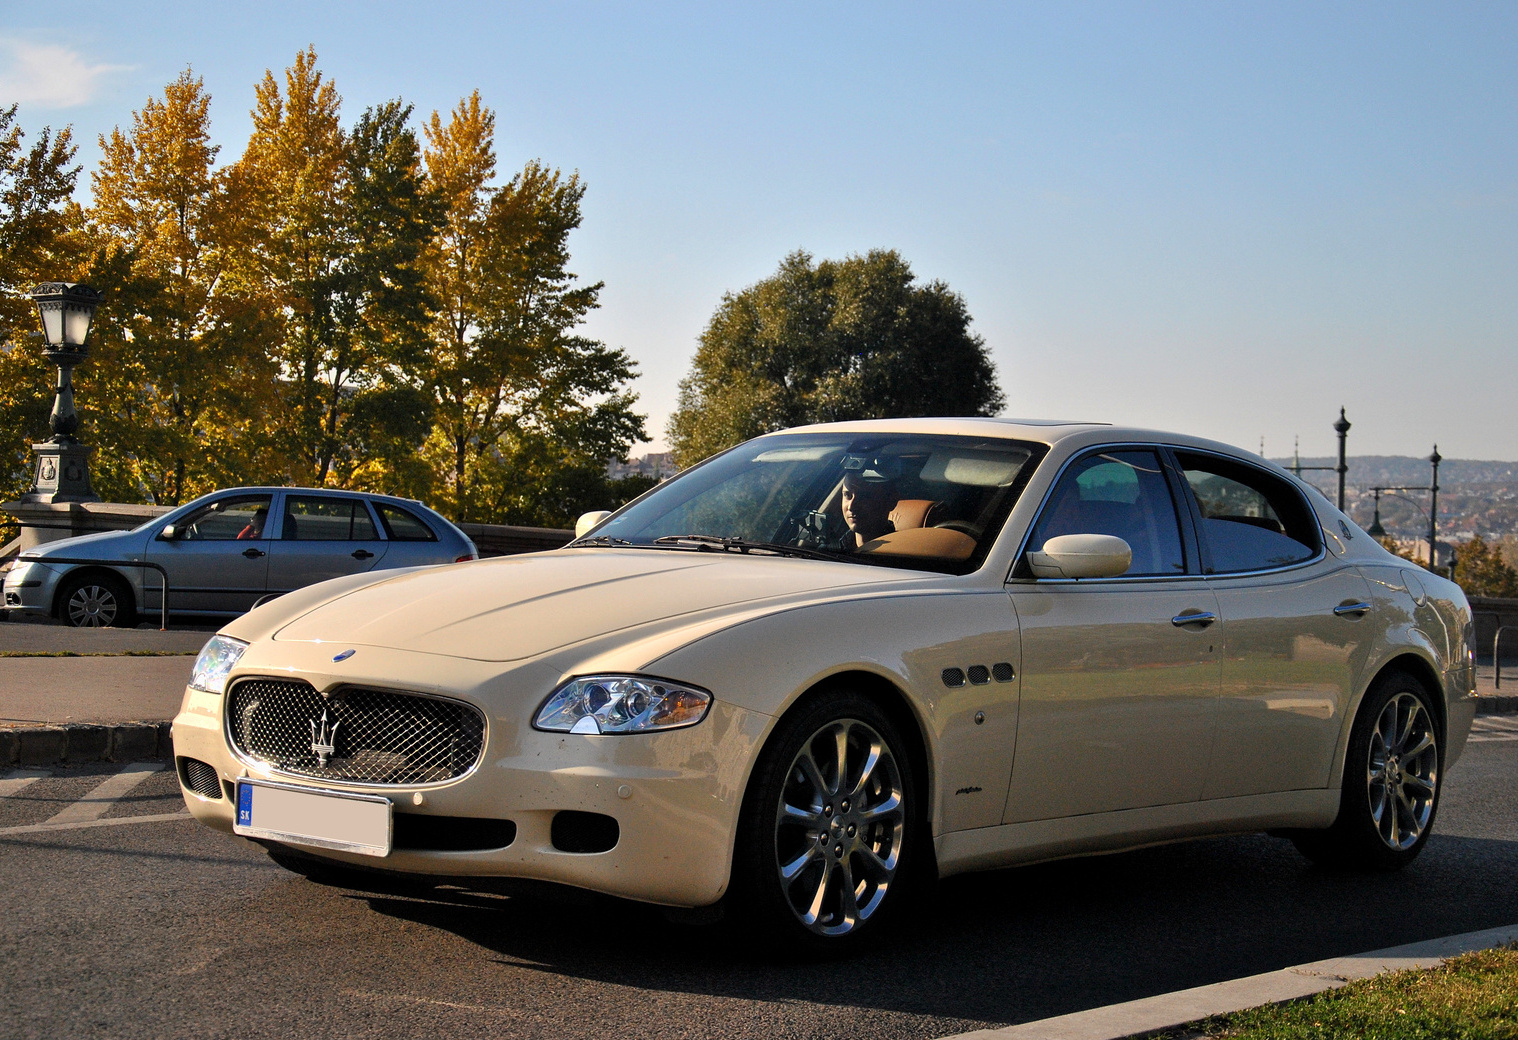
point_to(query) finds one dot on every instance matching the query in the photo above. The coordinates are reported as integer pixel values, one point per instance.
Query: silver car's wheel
(1402, 772)
(839, 827)
(92, 605)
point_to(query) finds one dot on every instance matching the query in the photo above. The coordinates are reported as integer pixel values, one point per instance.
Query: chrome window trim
(1155, 446)
(267, 767)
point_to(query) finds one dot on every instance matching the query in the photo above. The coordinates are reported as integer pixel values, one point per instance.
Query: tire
(1393, 775)
(96, 600)
(823, 865)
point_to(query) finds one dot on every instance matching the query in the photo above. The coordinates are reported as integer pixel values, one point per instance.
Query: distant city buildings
(658, 465)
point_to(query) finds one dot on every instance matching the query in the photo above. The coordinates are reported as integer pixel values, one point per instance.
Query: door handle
(1194, 617)
(252, 554)
(1351, 609)
(362, 554)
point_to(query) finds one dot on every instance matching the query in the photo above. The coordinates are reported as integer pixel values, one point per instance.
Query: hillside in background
(1476, 497)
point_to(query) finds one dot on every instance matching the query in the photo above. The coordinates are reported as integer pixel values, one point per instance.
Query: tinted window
(327, 520)
(402, 526)
(228, 519)
(1122, 493)
(1251, 520)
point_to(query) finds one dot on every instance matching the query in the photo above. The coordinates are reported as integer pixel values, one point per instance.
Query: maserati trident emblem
(323, 738)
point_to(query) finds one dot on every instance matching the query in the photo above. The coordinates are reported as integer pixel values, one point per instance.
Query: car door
(218, 558)
(1294, 635)
(321, 537)
(1119, 688)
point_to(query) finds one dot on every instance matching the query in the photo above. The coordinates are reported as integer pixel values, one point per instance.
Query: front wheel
(1391, 782)
(96, 601)
(832, 830)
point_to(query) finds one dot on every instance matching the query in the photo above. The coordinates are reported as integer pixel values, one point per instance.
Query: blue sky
(1226, 219)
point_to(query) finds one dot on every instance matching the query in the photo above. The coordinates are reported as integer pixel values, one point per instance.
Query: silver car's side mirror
(1082, 556)
(588, 521)
(169, 533)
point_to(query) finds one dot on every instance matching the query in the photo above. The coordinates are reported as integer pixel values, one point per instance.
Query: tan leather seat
(911, 513)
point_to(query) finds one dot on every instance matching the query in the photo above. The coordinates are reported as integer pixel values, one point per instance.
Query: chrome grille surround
(383, 738)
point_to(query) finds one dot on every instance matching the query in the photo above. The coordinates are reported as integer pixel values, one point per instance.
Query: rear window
(402, 525)
(1251, 520)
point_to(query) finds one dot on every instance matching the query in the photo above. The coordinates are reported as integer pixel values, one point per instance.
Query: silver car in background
(226, 551)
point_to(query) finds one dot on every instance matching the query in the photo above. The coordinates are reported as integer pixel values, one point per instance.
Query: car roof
(269, 488)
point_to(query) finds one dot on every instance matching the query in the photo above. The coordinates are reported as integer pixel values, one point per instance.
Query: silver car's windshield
(930, 502)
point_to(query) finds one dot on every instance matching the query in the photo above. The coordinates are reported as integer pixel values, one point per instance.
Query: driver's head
(869, 495)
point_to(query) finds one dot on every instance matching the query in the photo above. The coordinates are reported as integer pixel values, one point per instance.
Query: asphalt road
(164, 929)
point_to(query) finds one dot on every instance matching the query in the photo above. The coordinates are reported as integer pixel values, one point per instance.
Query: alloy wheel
(839, 827)
(92, 606)
(1403, 771)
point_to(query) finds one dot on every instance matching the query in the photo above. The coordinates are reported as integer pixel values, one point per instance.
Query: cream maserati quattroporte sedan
(799, 680)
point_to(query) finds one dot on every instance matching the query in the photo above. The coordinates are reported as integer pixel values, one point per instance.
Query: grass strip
(99, 653)
(1470, 997)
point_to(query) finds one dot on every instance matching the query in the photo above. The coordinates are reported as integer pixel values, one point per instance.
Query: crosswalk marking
(19, 780)
(99, 801)
(79, 825)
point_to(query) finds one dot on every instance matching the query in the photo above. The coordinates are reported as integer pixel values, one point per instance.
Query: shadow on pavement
(1026, 943)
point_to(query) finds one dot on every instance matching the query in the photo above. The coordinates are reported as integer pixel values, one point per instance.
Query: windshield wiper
(597, 539)
(712, 543)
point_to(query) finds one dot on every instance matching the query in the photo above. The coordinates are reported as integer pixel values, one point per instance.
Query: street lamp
(66, 310)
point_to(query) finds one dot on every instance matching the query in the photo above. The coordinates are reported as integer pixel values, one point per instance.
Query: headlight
(621, 704)
(215, 662)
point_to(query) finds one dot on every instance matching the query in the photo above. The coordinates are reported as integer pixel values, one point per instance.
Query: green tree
(841, 339)
(37, 244)
(1481, 570)
(526, 411)
(175, 386)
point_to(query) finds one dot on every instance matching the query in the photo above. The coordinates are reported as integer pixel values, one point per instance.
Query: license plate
(303, 816)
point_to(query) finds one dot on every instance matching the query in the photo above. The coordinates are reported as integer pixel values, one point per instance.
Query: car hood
(103, 545)
(515, 607)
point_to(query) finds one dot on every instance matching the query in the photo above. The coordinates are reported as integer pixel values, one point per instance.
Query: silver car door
(321, 537)
(218, 559)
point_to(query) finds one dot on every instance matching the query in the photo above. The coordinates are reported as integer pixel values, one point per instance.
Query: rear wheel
(1392, 777)
(832, 831)
(96, 600)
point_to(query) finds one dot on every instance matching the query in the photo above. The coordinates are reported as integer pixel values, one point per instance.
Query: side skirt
(1020, 843)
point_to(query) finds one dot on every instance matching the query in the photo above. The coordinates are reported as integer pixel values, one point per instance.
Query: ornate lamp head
(66, 309)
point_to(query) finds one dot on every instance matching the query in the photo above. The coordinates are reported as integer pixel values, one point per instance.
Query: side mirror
(169, 533)
(588, 521)
(1082, 556)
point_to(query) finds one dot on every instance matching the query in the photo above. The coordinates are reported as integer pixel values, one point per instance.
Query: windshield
(927, 502)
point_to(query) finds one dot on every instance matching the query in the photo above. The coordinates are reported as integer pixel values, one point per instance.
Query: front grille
(355, 734)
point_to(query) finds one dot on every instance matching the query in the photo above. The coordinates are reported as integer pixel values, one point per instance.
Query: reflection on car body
(742, 689)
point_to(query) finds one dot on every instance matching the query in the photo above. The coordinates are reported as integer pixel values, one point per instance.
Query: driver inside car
(869, 495)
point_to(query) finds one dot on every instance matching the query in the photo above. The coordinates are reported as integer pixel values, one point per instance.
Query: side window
(227, 520)
(1251, 520)
(327, 520)
(402, 526)
(1122, 493)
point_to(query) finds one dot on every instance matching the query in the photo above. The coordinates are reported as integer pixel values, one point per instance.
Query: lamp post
(62, 474)
(1342, 429)
(1433, 512)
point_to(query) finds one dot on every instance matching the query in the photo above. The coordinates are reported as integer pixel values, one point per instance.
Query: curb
(1139, 1018)
(83, 742)
(1498, 704)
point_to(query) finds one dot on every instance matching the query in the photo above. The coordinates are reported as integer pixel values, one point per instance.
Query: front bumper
(29, 588)
(675, 795)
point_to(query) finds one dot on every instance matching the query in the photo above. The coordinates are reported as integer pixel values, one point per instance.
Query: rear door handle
(252, 554)
(362, 554)
(1194, 617)
(1351, 609)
